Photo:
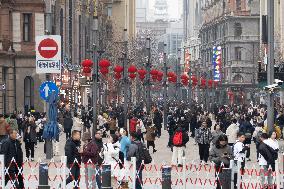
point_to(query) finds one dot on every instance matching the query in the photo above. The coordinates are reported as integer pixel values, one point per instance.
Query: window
(239, 4)
(28, 92)
(238, 53)
(238, 29)
(27, 21)
(238, 79)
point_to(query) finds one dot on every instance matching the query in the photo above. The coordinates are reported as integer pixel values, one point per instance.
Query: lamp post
(165, 89)
(95, 71)
(125, 104)
(178, 79)
(198, 78)
(148, 99)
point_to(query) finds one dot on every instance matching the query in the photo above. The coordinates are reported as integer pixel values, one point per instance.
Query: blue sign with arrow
(46, 90)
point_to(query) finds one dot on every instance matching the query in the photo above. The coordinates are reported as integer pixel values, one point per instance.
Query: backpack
(177, 139)
(143, 153)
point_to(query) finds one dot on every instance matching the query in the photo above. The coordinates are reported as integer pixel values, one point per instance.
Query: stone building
(20, 22)
(233, 26)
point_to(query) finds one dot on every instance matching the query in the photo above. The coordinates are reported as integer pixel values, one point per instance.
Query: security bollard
(166, 177)
(43, 176)
(225, 176)
(106, 177)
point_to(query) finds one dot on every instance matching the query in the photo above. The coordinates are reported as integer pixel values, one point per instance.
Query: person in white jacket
(111, 157)
(232, 132)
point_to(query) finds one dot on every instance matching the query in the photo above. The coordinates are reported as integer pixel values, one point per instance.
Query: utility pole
(270, 70)
(125, 104)
(148, 92)
(165, 89)
(178, 78)
(94, 27)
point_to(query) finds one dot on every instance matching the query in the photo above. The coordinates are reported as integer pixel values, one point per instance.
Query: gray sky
(173, 7)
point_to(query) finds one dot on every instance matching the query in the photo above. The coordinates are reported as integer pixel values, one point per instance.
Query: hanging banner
(217, 62)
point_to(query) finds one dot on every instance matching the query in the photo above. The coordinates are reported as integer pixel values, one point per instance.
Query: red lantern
(159, 78)
(117, 76)
(132, 69)
(210, 82)
(87, 63)
(118, 69)
(132, 76)
(142, 72)
(87, 70)
(203, 82)
(154, 72)
(104, 63)
(142, 77)
(104, 71)
(184, 77)
(160, 74)
(171, 74)
(185, 82)
(154, 77)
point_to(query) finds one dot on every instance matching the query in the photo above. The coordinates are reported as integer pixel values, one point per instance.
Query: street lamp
(179, 73)
(148, 74)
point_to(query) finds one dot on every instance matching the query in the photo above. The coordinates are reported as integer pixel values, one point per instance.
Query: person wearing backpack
(180, 138)
(266, 158)
(138, 149)
(203, 137)
(151, 136)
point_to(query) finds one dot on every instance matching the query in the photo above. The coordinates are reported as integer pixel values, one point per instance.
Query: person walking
(12, 151)
(133, 151)
(203, 137)
(232, 132)
(267, 157)
(13, 122)
(248, 130)
(216, 133)
(111, 157)
(4, 128)
(30, 138)
(157, 120)
(99, 142)
(180, 138)
(90, 157)
(220, 154)
(72, 151)
(67, 124)
(151, 136)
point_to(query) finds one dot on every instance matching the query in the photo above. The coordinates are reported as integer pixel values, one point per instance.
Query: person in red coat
(132, 124)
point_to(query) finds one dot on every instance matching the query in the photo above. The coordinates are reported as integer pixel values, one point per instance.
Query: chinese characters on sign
(48, 54)
(217, 63)
(186, 61)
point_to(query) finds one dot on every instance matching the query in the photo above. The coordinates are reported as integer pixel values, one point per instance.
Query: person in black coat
(68, 124)
(73, 153)
(158, 120)
(11, 149)
(30, 138)
(248, 130)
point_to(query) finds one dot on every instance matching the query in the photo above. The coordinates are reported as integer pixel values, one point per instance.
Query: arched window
(238, 79)
(29, 92)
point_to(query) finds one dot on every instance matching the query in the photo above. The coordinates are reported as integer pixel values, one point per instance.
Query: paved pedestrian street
(199, 176)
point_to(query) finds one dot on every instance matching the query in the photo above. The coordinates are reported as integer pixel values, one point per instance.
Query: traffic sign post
(48, 54)
(46, 90)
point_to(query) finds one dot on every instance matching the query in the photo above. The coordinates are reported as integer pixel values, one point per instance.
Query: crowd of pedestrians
(224, 134)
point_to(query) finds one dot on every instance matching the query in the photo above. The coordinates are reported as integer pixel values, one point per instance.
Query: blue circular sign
(46, 90)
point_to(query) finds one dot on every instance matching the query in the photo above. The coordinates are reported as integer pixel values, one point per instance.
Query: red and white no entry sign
(48, 48)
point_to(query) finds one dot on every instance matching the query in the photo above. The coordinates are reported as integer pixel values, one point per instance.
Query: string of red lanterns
(156, 75)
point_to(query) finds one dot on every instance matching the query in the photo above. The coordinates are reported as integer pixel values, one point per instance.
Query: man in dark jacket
(248, 130)
(158, 119)
(100, 145)
(13, 154)
(68, 124)
(72, 151)
(133, 152)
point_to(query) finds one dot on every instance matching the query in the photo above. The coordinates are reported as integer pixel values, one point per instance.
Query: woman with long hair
(221, 154)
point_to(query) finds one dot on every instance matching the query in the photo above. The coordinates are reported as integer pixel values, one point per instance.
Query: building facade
(20, 22)
(233, 28)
